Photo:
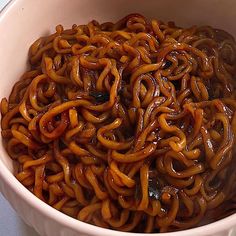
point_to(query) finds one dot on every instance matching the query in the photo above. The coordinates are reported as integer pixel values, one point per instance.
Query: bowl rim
(78, 226)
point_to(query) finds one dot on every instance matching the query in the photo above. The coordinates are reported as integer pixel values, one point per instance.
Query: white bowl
(23, 21)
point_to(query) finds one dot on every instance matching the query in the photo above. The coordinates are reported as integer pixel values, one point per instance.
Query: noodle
(128, 126)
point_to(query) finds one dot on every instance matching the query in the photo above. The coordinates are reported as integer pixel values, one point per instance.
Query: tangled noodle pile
(128, 126)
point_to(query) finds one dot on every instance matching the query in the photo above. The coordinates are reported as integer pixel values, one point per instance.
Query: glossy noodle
(129, 125)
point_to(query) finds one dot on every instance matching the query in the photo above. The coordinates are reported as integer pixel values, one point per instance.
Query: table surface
(10, 222)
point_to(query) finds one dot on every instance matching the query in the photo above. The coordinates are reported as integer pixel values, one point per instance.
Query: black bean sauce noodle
(128, 126)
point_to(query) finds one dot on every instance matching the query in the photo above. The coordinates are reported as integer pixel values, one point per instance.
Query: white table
(10, 223)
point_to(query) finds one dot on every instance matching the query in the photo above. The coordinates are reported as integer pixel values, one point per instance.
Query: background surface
(10, 223)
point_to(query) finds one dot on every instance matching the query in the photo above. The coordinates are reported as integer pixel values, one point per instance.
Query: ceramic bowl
(23, 21)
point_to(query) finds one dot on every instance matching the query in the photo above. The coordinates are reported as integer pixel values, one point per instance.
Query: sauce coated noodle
(128, 126)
